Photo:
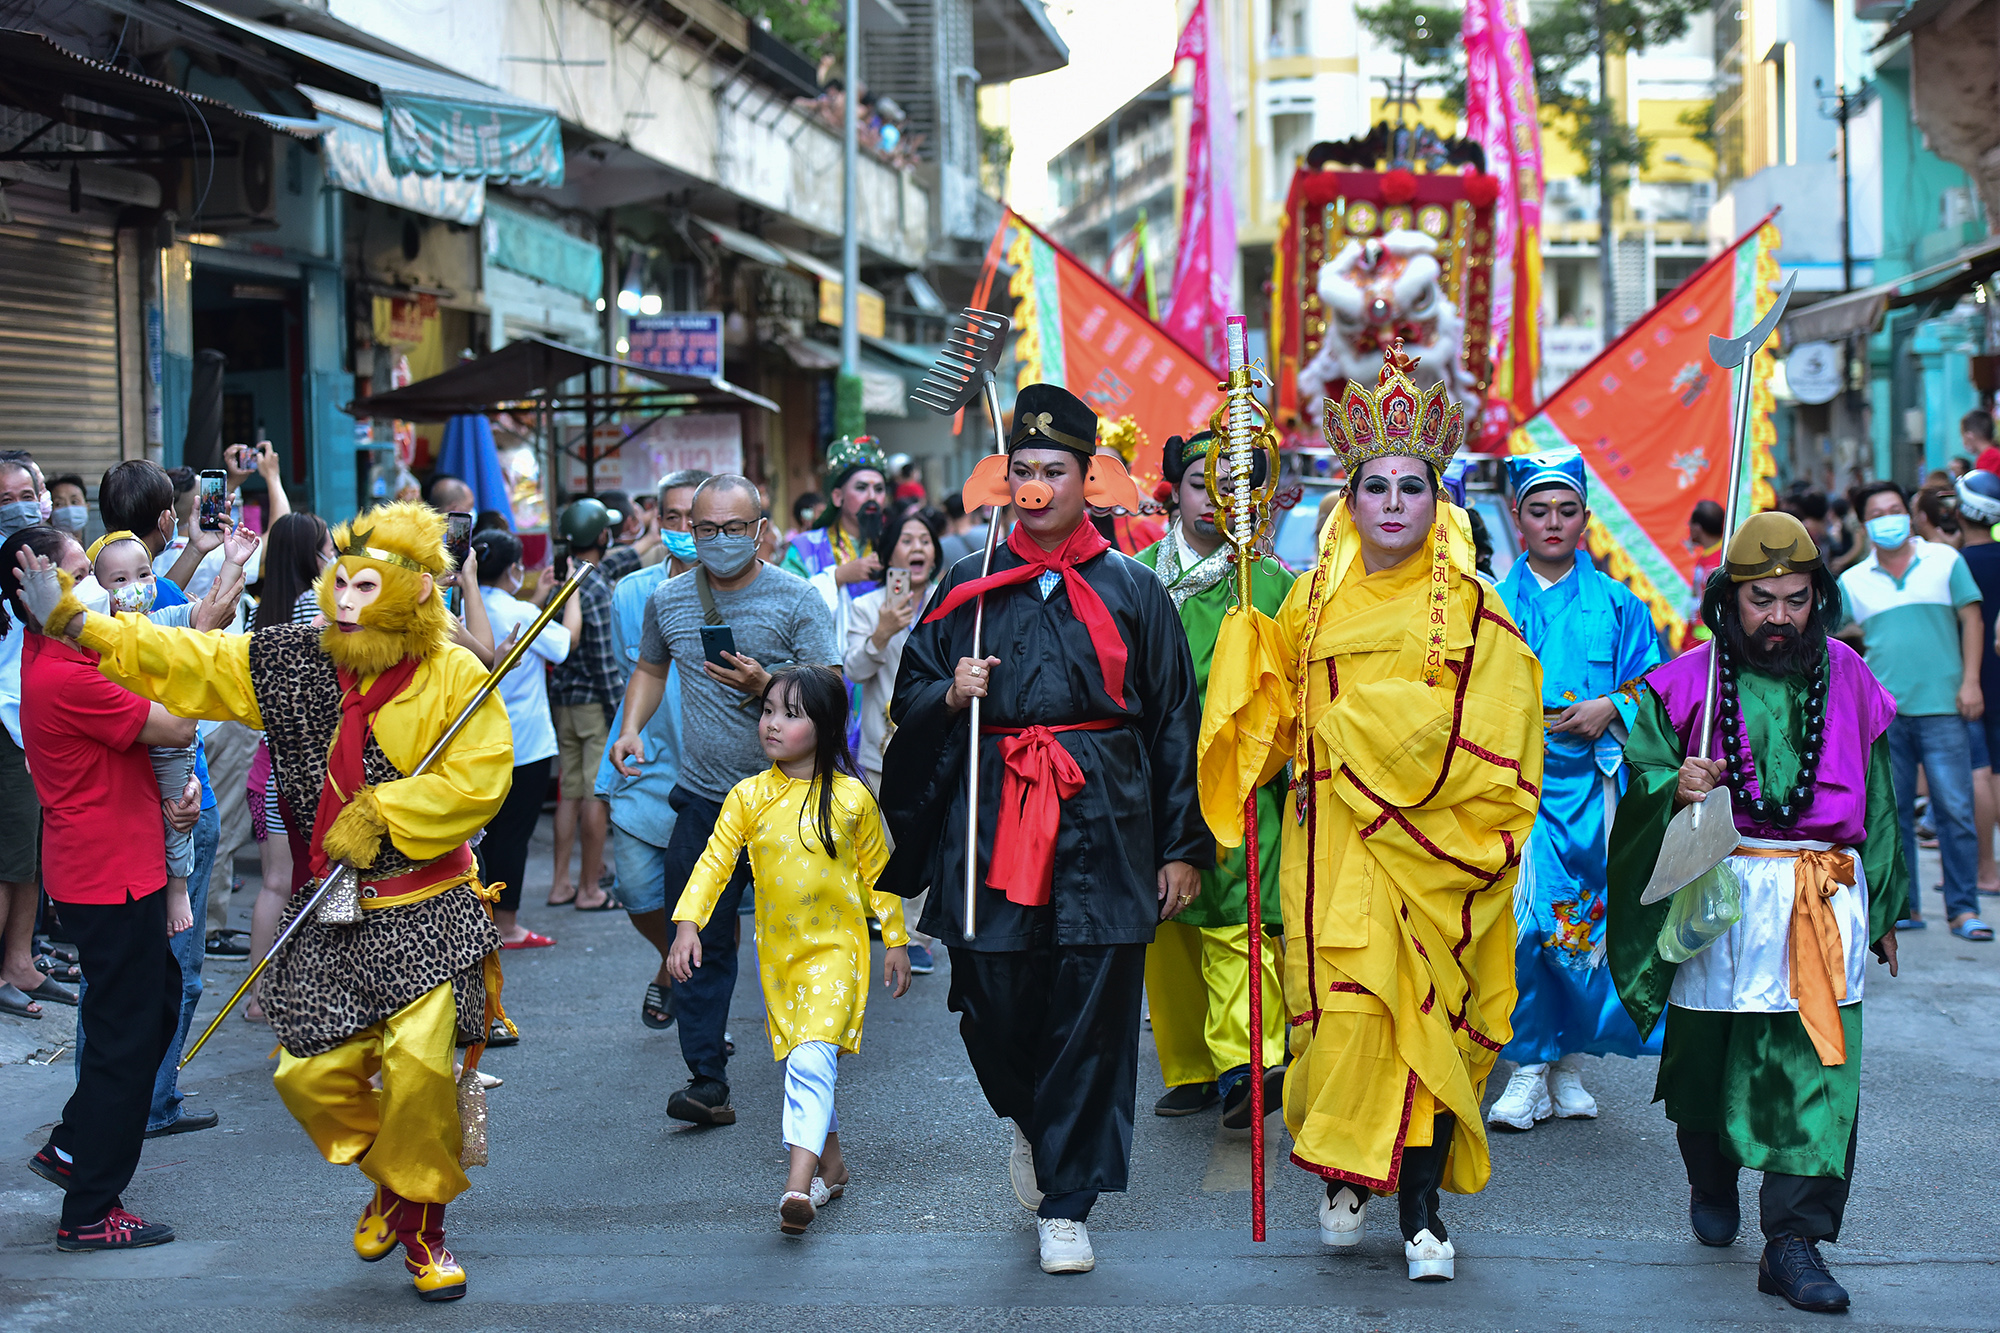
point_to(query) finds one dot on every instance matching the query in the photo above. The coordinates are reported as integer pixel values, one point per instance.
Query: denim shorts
(641, 873)
(1975, 740)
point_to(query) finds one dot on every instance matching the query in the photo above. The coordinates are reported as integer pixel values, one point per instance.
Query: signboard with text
(686, 342)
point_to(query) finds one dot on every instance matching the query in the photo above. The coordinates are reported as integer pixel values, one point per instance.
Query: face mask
(93, 595)
(18, 515)
(135, 597)
(70, 518)
(680, 545)
(1889, 531)
(725, 557)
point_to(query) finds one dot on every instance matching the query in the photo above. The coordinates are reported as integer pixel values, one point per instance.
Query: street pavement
(599, 1212)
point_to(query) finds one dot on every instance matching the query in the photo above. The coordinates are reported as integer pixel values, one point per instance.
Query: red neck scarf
(1083, 544)
(344, 770)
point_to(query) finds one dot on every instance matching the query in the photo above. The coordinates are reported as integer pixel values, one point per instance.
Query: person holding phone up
(773, 618)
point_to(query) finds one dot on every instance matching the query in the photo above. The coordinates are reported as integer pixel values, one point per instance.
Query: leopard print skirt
(331, 982)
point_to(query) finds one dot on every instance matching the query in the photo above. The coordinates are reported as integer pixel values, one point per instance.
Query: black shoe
(498, 1035)
(1715, 1221)
(702, 1102)
(52, 1168)
(116, 1230)
(1186, 1099)
(228, 944)
(188, 1123)
(1791, 1267)
(1236, 1107)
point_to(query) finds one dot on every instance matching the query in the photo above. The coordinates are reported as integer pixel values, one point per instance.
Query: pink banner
(1501, 116)
(1205, 264)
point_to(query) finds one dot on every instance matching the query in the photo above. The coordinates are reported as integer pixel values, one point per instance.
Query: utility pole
(850, 240)
(1606, 282)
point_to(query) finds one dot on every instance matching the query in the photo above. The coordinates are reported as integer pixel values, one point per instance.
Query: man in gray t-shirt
(774, 617)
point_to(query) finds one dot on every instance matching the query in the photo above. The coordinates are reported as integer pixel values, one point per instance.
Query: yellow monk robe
(405, 1134)
(1398, 887)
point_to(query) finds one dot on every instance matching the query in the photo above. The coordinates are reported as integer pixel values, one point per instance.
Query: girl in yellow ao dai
(816, 848)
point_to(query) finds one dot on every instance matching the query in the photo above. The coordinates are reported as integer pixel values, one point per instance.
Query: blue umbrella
(468, 453)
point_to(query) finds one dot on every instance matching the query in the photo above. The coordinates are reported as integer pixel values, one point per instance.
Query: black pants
(1053, 1034)
(1809, 1207)
(702, 1001)
(503, 852)
(130, 1011)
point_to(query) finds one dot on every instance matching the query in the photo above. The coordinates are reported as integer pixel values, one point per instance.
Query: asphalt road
(598, 1212)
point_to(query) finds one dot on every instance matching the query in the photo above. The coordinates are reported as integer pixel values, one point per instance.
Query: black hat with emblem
(1048, 416)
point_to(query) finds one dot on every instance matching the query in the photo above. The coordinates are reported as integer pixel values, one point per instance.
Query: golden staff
(1241, 427)
(341, 881)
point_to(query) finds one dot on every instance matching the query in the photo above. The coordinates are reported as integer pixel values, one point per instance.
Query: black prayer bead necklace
(1785, 810)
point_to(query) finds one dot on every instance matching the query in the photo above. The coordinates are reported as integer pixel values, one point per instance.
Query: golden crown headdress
(1395, 417)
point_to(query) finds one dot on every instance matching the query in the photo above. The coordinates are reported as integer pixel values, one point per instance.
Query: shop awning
(38, 75)
(885, 389)
(357, 160)
(740, 242)
(530, 372)
(434, 123)
(1858, 313)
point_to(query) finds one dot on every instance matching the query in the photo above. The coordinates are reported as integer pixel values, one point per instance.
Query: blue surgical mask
(726, 557)
(70, 518)
(18, 515)
(1889, 531)
(680, 545)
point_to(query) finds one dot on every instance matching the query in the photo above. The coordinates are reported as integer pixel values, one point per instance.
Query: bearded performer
(1086, 794)
(1414, 734)
(348, 710)
(1198, 966)
(1762, 1064)
(837, 555)
(1594, 640)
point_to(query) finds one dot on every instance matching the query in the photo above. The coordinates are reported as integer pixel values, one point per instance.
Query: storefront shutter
(59, 335)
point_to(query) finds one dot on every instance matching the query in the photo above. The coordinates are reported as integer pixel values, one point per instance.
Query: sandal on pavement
(50, 966)
(15, 1001)
(610, 904)
(657, 1010)
(1972, 928)
(1913, 923)
(227, 944)
(52, 990)
(824, 1194)
(795, 1213)
(531, 940)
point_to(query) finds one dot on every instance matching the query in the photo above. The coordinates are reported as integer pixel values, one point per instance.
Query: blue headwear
(1528, 473)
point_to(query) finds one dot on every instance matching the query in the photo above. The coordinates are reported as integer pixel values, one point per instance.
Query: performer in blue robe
(1595, 641)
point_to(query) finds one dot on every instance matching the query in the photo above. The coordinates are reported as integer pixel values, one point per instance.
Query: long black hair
(1719, 612)
(291, 565)
(821, 694)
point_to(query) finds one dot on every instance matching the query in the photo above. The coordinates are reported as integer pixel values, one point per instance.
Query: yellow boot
(375, 1233)
(437, 1276)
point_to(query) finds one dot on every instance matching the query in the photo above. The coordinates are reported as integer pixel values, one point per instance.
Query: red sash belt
(454, 864)
(1040, 776)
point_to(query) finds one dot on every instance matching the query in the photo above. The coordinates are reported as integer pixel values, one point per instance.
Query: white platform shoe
(1343, 1217)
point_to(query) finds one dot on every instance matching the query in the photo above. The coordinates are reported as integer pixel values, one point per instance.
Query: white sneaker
(1021, 1171)
(1525, 1101)
(1430, 1258)
(1572, 1100)
(1065, 1246)
(1342, 1217)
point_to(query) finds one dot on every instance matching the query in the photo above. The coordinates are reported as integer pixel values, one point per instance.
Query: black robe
(1138, 808)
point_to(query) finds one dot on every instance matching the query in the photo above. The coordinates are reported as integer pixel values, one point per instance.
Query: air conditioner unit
(234, 193)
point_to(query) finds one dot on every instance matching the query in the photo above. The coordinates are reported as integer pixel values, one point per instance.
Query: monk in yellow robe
(1416, 747)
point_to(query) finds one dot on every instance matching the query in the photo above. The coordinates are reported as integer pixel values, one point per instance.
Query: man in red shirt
(104, 863)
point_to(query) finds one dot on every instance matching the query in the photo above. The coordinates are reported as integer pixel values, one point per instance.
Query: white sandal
(796, 1212)
(823, 1193)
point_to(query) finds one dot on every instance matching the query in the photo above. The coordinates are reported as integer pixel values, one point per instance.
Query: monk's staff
(341, 881)
(1240, 428)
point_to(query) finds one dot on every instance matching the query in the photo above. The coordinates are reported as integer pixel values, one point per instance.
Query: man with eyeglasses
(776, 619)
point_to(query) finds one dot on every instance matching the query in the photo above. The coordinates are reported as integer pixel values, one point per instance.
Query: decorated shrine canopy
(1651, 418)
(1078, 331)
(1327, 208)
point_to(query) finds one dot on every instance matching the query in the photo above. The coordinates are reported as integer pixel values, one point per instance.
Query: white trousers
(810, 1071)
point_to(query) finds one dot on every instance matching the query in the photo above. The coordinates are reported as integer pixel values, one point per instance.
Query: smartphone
(458, 537)
(899, 583)
(717, 640)
(214, 488)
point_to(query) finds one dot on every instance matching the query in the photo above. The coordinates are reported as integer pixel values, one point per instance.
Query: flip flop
(15, 1001)
(531, 940)
(1913, 923)
(1972, 928)
(657, 1001)
(610, 904)
(51, 990)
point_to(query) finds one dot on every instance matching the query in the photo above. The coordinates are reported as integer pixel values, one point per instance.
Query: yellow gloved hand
(356, 834)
